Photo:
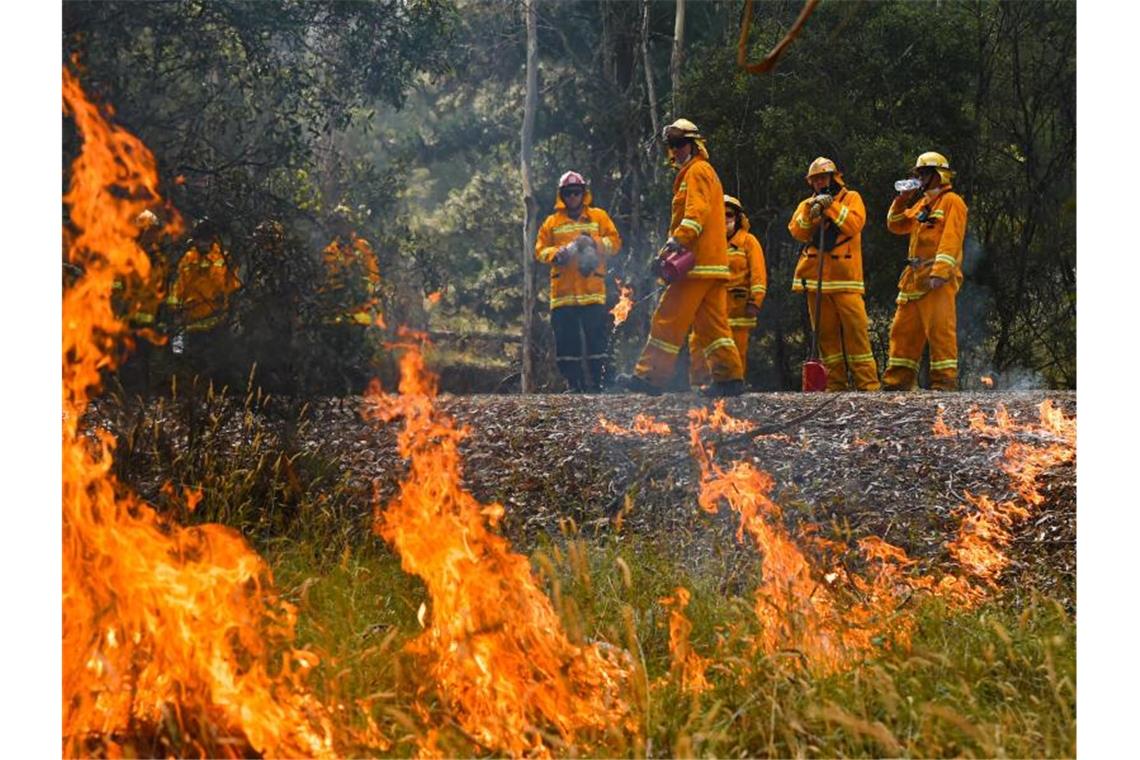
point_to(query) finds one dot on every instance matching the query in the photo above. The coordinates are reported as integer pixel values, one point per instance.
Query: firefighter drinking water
(926, 309)
(694, 262)
(577, 240)
(746, 289)
(844, 343)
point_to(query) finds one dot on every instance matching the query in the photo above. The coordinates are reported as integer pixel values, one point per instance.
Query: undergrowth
(998, 681)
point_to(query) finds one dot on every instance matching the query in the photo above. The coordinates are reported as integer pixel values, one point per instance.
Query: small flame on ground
(726, 423)
(495, 646)
(987, 381)
(621, 309)
(643, 424)
(941, 429)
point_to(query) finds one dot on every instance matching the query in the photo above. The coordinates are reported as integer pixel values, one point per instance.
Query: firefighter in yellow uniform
(352, 275)
(576, 241)
(926, 310)
(200, 295)
(746, 289)
(844, 342)
(698, 298)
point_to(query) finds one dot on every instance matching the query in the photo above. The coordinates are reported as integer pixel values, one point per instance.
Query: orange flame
(987, 381)
(799, 607)
(725, 422)
(688, 668)
(643, 424)
(621, 309)
(495, 645)
(168, 631)
(985, 531)
(941, 429)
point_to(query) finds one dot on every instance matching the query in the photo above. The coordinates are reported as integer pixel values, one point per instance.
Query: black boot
(572, 371)
(723, 389)
(637, 384)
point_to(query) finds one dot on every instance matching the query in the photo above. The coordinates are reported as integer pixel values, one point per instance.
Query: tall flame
(495, 645)
(174, 641)
(799, 607)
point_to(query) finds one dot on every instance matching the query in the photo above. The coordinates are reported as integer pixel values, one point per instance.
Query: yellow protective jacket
(568, 286)
(202, 288)
(698, 218)
(843, 262)
(345, 261)
(748, 277)
(937, 229)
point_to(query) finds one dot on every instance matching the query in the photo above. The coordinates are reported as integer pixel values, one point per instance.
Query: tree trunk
(650, 87)
(530, 222)
(678, 54)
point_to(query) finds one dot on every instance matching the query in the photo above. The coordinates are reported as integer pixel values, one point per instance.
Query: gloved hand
(936, 282)
(752, 309)
(562, 256)
(670, 246)
(823, 200)
(815, 211)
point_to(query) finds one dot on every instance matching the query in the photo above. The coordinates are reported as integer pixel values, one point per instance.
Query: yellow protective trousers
(741, 325)
(699, 303)
(932, 318)
(843, 341)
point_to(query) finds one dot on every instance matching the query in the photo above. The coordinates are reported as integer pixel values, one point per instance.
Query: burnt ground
(848, 465)
(852, 464)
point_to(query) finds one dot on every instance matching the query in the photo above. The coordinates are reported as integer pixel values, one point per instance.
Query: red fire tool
(814, 370)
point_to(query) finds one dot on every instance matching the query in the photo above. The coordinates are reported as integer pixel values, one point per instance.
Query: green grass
(994, 682)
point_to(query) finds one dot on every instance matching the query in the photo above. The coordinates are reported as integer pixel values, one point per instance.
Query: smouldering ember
(494, 644)
(174, 640)
(643, 424)
(621, 309)
(987, 381)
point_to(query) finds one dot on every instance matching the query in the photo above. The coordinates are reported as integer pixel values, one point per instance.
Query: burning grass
(448, 641)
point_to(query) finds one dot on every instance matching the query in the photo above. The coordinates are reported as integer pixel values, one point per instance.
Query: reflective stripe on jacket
(345, 262)
(937, 229)
(842, 264)
(568, 286)
(698, 218)
(748, 277)
(202, 288)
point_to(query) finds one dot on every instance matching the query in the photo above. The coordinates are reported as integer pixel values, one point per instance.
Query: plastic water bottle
(910, 183)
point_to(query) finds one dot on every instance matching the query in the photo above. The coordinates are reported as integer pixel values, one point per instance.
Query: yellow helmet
(823, 165)
(936, 160)
(733, 203)
(682, 128)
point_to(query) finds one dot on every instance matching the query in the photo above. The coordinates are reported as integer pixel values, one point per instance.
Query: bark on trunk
(530, 222)
(678, 54)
